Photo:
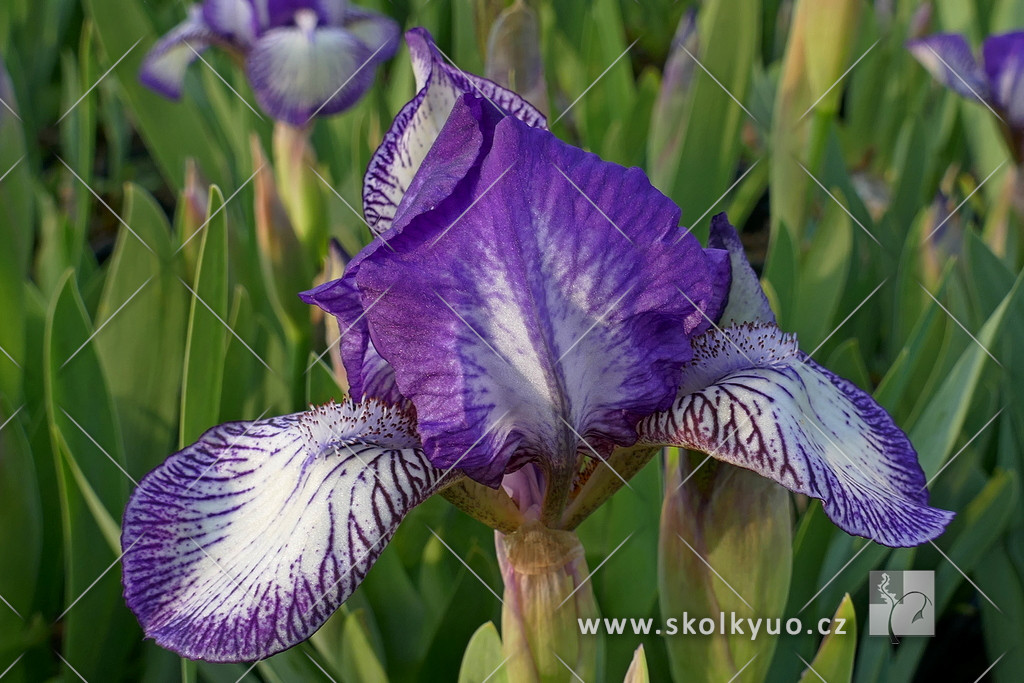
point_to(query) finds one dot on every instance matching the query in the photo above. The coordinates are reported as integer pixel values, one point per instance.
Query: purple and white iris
(528, 319)
(997, 82)
(303, 58)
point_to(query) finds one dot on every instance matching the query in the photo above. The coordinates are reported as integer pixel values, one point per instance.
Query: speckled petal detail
(242, 544)
(747, 302)
(755, 401)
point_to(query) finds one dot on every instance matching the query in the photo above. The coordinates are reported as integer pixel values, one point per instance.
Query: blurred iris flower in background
(303, 58)
(998, 81)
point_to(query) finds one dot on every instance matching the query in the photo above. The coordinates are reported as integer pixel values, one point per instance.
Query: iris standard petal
(379, 33)
(752, 399)
(450, 162)
(948, 57)
(418, 124)
(233, 20)
(1004, 65)
(242, 544)
(369, 375)
(747, 302)
(163, 69)
(282, 12)
(534, 307)
(306, 70)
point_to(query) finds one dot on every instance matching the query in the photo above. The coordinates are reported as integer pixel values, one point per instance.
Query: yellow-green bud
(545, 593)
(725, 549)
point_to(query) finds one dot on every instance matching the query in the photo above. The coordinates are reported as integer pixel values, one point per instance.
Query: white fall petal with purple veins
(244, 543)
(753, 400)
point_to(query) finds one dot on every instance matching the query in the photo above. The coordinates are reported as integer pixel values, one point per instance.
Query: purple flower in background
(304, 58)
(529, 326)
(998, 82)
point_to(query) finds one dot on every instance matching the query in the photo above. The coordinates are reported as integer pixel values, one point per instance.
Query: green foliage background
(110, 361)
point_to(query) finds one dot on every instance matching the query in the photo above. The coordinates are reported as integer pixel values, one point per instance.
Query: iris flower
(303, 58)
(998, 82)
(528, 328)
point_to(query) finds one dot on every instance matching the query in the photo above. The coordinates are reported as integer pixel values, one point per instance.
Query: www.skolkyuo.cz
(727, 623)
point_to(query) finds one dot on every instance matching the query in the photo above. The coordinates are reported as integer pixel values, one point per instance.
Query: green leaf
(729, 39)
(1004, 627)
(483, 657)
(935, 432)
(823, 272)
(21, 531)
(93, 489)
(141, 326)
(358, 660)
(206, 345)
(172, 131)
(834, 661)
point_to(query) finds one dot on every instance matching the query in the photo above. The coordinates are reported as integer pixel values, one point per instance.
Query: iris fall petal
(164, 67)
(752, 399)
(242, 544)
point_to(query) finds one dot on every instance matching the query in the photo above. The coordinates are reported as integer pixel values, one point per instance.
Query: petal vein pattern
(245, 542)
(773, 410)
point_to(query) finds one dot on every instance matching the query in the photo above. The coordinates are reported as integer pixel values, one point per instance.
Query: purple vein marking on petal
(227, 451)
(599, 210)
(258, 557)
(600, 319)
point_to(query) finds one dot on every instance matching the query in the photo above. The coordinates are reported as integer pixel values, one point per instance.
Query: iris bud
(738, 523)
(545, 593)
(283, 260)
(513, 54)
(300, 189)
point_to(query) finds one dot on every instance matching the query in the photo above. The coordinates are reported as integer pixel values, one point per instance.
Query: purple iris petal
(752, 399)
(233, 20)
(242, 544)
(418, 124)
(747, 302)
(534, 304)
(949, 59)
(1004, 65)
(163, 69)
(448, 163)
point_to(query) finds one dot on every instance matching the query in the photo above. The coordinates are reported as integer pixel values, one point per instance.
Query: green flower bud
(545, 593)
(286, 267)
(513, 54)
(724, 554)
(637, 672)
(300, 189)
